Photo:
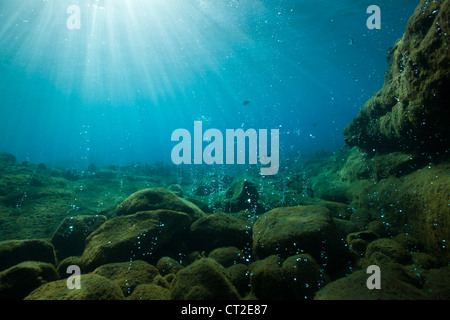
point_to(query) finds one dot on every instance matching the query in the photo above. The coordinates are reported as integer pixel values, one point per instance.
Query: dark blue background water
(114, 91)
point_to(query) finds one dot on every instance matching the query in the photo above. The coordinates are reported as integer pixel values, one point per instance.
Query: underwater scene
(231, 150)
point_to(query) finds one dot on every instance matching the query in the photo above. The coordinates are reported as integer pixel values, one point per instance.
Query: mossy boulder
(70, 237)
(385, 250)
(395, 164)
(150, 291)
(395, 285)
(361, 217)
(239, 276)
(295, 230)
(296, 278)
(145, 236)
(64, 264)
(359, 166)
(20, 280)
(345, 227)
(128, 275)
(227, 256)
(266, 279)
(156, 199)
(203, 280)
(416, 203)
(303, 276)
(330, 188)
(358, 241)
(337, 209)
(13, 252)
(93, 287)
(220, 230)
(437, 283)
(167, 265)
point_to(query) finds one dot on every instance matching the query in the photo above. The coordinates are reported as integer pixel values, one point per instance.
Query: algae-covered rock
(296, 278)
(410, 111)
(345, 227)
(20, 280)
(337, 209)
(241, 195)
(327, 187)
(294, 230)
(303, 276)
(167, 265)
(128, 275)
(361, 218)
(436, 284)
(142, 236)
(358, 241)
(150, 291)
(394, 286)
(239, 276)
(382, 250)
(379, 228)
(64, 264)
(69, 239)
(358, 166)
(93, 287)
(164, 281)
(155, 199)
(416, 203)
(203, 280)
(266, 279)
(13, 252)
(395, 164)
(220, 230)
(227, 256)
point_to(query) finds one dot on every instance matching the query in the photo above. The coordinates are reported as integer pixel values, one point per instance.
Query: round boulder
(220, 230)
(142, 236)
(93, 287)
(295, 230)
(13, 252)
(155, 199)
(18, 281)
(203, 280)
(70, 237)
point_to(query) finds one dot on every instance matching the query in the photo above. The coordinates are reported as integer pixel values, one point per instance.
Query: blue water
(113, 91)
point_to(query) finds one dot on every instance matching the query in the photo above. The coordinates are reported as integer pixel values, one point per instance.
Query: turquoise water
(113, 91)
(325, 168)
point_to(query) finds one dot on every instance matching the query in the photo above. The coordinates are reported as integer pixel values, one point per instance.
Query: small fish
(315, 124)
(246, 102)
(351, 41)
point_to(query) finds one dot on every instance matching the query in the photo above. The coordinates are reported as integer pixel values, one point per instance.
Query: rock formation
(411, 112)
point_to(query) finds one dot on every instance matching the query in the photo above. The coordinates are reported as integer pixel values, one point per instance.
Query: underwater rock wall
(411, 112)
(399, 167)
